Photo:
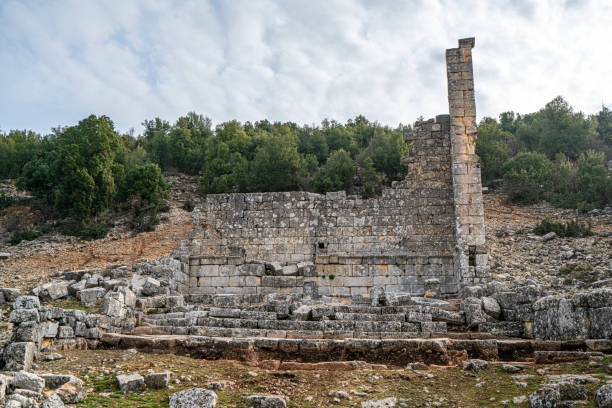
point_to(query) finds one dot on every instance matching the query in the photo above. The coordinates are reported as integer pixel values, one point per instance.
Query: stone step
(363, 326)
(289, 334)
(397, 317)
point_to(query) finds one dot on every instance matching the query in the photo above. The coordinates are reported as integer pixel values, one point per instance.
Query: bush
(5, 200)
(526, 177)
(24, 235)
(569, 229)
(188, 205)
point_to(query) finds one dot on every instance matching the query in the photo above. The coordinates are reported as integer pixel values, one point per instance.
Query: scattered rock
(193, 398)
(549, 236)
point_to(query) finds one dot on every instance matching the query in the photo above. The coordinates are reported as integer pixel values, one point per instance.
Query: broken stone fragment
(68, 388)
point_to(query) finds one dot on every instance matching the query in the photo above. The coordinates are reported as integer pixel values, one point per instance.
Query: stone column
(469, 213)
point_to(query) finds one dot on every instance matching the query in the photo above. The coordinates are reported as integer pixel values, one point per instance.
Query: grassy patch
(71, 304)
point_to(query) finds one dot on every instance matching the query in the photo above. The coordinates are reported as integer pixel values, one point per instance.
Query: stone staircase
(288, 318)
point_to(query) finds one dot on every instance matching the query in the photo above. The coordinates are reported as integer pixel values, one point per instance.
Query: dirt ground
(431, 386)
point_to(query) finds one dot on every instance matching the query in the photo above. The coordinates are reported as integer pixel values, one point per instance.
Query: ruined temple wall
(399, 241)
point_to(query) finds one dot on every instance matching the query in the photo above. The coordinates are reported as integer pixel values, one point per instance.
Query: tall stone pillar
(471, 252)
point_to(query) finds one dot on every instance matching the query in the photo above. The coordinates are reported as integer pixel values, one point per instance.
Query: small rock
(218, 385)
(474, 364)
(510, 369)
(266, 401)
(193, 398)
(519, 399)
(339, 394)
(549, 236)
(53, 357)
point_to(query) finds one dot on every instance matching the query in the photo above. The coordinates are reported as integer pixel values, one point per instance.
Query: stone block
(19, 356)
(89, 297)
(28, 381)
(26, 302)
(157, 380)
(130, 383)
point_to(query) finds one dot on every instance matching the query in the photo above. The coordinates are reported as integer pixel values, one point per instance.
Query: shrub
(5, 200)
(569, 229)
(24, 235)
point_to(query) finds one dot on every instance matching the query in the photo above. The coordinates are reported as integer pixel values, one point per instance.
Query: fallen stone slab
(130, 383)
(193, 398)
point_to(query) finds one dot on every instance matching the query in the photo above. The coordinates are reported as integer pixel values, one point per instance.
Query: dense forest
(80, 172)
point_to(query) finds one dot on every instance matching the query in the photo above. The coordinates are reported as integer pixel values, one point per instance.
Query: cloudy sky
(292, 60)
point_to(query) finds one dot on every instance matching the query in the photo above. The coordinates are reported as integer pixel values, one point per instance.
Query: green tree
(526, 177)
(556, 129)
(593, 179)
(492, 149)
(336, 174)
(277, 165)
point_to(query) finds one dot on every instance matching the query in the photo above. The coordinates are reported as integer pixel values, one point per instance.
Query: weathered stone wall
(426, 233)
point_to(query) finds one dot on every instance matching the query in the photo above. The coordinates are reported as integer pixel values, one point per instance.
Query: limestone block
(18, 356)
(26, 302)
(130, 383)
(89, 297)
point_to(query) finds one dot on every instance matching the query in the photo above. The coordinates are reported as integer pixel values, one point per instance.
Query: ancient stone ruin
(297, 278)
(424, 235)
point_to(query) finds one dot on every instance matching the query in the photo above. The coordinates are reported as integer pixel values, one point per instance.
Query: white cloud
(297, 60)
